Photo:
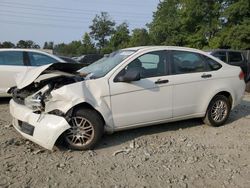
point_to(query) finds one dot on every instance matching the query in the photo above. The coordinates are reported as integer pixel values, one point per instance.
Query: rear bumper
(239, 93)
(43, 129)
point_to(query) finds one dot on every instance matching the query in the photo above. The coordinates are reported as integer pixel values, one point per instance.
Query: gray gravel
(181, 154)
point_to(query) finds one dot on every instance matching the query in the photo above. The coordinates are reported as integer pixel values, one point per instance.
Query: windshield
(101, 67)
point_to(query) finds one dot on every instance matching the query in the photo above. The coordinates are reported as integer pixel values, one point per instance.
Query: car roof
(155, 48)
(163, 48)
(31, 50)
(21, 49)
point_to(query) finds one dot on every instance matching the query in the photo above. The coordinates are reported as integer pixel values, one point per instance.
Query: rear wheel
(86, 130)
(218, 111)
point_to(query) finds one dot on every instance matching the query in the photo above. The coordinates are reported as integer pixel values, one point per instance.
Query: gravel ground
(181, 154)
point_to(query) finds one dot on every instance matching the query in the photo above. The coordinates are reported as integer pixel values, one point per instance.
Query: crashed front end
(40, 107)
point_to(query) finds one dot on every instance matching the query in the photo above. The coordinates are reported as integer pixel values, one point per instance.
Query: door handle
(206, 75)
(161, 81)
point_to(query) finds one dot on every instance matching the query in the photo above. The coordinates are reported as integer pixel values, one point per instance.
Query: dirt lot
(182, 154)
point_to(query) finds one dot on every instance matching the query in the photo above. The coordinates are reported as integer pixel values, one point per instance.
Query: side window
(183, 62)
(37, 59)
(221, 55)
(212, 64)
(234, 57)
(150, 65)
(150, 61)
(11, 58)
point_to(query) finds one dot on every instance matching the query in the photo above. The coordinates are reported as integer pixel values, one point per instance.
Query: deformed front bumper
(43, 129)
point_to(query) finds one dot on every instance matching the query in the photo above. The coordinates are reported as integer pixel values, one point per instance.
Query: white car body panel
(42, 123)
(8, 73)
(132, 102)
(24, 80)
(84, 92)
(127, 105)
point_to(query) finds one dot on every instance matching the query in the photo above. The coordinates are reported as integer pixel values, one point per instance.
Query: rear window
(11, 58)
(235, 57)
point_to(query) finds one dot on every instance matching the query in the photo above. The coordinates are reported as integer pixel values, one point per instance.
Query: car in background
(14, 61)
(130, 88)
(233, 57)
(89, 58)
(68, 59)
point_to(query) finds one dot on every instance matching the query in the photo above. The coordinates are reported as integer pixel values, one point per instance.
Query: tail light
(241, 75)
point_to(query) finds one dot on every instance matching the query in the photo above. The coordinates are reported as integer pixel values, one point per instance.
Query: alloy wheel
(81, 132)
(219, 111)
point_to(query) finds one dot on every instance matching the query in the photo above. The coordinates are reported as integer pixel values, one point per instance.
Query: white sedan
(131, 88)
(14, 61)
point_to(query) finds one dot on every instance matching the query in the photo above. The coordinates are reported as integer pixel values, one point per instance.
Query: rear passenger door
(192, 79)
(11, 63)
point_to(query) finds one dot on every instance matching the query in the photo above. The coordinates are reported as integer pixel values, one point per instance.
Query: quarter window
(37, 59)
(11, 58)
(186, 62)
(212, 64)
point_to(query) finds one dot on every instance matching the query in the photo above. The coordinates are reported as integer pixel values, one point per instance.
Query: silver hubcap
(219, 111)
(81, 132)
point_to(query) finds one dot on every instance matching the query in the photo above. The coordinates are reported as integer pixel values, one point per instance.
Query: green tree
(87, 46)
(235, 30)
(7, 44)
(200, 21)
(236, 12)
(61, 49)
(45, 46)
(71, 49)
(140, 37)
(120, 38)
(238, 36)
(102, 28)
(48, 45)
(27, 44)
(166, 26)
(185, 22)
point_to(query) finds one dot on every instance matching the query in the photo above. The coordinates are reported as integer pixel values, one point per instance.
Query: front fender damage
(67, 97)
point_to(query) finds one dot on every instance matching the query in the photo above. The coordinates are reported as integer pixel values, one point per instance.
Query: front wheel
(218, 111)
(86, 130)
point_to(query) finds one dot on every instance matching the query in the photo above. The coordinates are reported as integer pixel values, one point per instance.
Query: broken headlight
(34, 102)
(37, 101)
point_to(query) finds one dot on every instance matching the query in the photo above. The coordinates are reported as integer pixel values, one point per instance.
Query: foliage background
(203, 24)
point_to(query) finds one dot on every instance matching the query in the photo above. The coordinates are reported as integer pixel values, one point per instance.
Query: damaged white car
(131, 88)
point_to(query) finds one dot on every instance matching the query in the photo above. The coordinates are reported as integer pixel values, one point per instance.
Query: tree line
(203, 24)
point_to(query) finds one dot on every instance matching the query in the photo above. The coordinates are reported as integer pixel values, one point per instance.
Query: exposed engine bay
(37, 93)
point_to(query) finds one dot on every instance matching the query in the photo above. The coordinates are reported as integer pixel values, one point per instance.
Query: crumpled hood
(28, 77)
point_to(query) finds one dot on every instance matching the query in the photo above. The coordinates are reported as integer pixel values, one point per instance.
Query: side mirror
(129, 76)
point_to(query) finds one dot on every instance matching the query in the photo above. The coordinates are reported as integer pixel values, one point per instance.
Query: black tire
(86, 130)
(210, 118)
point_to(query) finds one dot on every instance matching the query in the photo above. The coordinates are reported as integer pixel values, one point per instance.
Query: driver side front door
(146, 101)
